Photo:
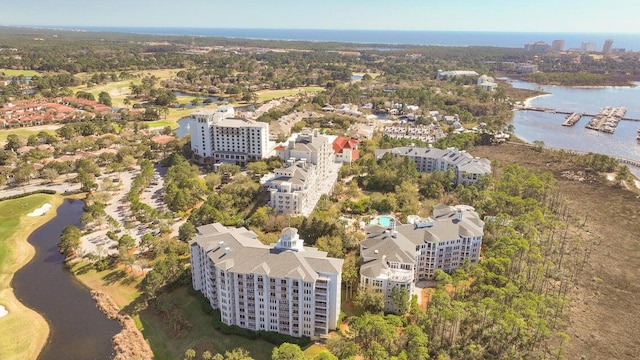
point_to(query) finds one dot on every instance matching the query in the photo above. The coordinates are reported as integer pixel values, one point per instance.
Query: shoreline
(527, 101)
(25, 343)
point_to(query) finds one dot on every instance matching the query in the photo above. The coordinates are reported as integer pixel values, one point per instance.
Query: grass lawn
(11, 72)
(266, 95)
(25, 132)
(314, 350)
(119, 283)
(201, 337)
(23, 332)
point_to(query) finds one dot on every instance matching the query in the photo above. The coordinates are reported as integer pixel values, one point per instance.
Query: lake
(79, 330)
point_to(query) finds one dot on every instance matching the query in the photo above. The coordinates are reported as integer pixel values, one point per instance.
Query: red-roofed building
(346, 149)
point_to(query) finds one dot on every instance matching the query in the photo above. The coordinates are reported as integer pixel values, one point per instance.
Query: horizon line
(71, 27)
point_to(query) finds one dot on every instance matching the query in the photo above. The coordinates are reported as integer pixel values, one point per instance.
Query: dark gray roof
(242, 253)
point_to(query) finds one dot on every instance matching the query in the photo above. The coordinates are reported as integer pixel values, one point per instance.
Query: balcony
(321, 291)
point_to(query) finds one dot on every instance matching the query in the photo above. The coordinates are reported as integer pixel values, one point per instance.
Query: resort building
(345, 149)
(309, 172)
(558, 45)
(218, 137)
(395, 256)
(466, 168)
(286, 288)
(487, 83)
(446, 75)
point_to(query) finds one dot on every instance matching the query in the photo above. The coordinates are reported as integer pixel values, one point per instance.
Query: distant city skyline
(570, 16)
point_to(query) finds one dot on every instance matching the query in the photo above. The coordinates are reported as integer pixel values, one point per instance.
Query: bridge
(556, 111)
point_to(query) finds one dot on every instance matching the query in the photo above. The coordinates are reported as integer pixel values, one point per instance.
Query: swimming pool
(385, 221)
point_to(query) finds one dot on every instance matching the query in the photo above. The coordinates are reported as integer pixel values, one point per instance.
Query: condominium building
(398, 256)
(217, 136)
(309, 172)
(286, 288)
(558, 45)
(466, 168)
(608, 46)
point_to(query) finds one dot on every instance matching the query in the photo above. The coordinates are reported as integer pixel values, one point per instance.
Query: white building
(487, 83)
(454, 73)
(216, 136)
(297, 186)
(286, 288)
(466, 168)
(400, 255)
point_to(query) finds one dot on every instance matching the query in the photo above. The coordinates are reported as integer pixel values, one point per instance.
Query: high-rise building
(588, 46)
(557, 45)
(286, 288)
(608, 45)
(217, 136)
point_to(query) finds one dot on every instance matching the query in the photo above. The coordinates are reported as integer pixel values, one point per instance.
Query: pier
(556, 111)
(571, 119)
(607, 120)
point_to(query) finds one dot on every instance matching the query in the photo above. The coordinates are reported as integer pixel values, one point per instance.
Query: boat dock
(556, 111)
(571, 119)
(607, 120)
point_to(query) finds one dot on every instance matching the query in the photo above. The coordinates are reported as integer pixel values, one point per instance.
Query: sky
(591, 16)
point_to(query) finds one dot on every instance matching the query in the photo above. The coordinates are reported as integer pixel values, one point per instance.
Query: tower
(608, 44)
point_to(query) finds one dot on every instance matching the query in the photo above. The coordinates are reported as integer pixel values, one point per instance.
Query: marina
(607, 120)
(572, 119)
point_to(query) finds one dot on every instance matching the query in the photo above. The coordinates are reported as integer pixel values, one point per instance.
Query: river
(79, 330)
(532, 125)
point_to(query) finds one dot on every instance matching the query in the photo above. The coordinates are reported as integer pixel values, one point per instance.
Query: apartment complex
(309, 171)
(217, 136)
(287, 288)
(466, 168)
(398, 256)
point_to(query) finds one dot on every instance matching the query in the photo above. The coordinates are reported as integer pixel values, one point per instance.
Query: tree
(325, 355)
(104, 98)
(332, 245)
(186, 231)
(69, 240)
(189, 354)
(538, 145)
(400, 300)
(13, 142)
(126, 242)
(368, 299)
(342, 347)
(50, 174)
(287, 351)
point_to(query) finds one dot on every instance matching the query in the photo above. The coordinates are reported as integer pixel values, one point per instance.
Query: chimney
(220, 244)
(227, 250)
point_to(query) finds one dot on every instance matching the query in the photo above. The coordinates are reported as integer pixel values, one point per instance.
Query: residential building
(527, 68)
(397, 256)
(309, 172)
(558, 45)
(345, 149)
(217, 137)
(286, 288)
(466, 168)
(487, 83)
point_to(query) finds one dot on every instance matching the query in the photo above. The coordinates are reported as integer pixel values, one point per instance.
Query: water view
(79, 330)
(532, 125)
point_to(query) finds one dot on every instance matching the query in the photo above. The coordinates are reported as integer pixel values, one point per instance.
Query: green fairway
(266, 95)
(23, 332)
(11, 72)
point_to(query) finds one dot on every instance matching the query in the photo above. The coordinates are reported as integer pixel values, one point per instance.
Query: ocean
(397, 37)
